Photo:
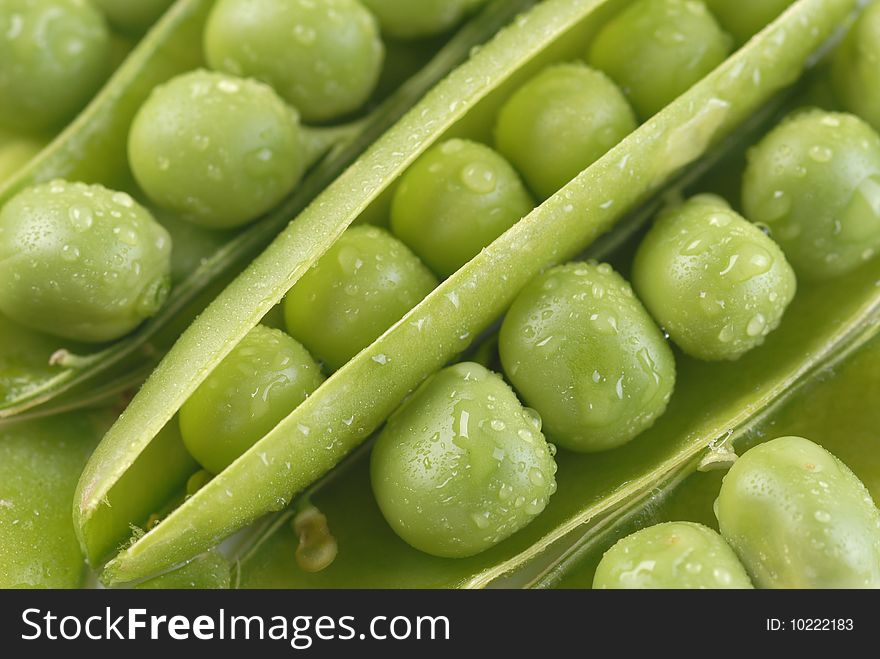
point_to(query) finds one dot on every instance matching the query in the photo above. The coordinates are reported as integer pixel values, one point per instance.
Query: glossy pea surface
(322, 57)
(560, 122)
(856, 68)
(259, 383)
(455, 200)
(133, 16)
(657, 49)
(363, 285)
(81, 261)
(713, 280)
(405, 19)
(461, 465)
(54, 55)
(815, 181)
(210, 571)
(745, 18)
(799, 518)
(583, 352)
(217, 149)
(672, 555)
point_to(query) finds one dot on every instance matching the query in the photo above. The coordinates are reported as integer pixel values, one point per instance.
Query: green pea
(799, 518)
(364, 284)
(53, 57)
(657, 49)
(560, 122)
(461, 465)
(713, 280)
(323, 57)
(265, 377)
(745, 18)
(673, 555)
(855, 72)
(219, 150)
(405, 19)
(815, 181)
(81, 261)
(454, 201)
(582, 351)
(210, 571)
(133, 17)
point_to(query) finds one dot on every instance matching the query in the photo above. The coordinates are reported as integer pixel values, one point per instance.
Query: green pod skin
(799, 518)
(40, 463)
(210, 571)
(560, 122)
(323, 57)
(405, 19)
(672, 555)
(657, 49)
(259, 383)
(133, 16)
(584, 353)
(81, 261)
(855, 72)
(745, 18)
(715, 282)
(364, 284)
(815, 181)
(54, 56)
(216, 149)
(454, 201)
(461, 465)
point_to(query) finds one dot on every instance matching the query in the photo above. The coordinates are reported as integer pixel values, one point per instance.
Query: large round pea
(815, 181)
(363, 285)
(560, 122)
(744, 18)
(454, 201)
(461, 465)
(713, 280)
(856, 68)
(219, 150)
(405, 19)
(673, 555)
(323, 57)
(54, 55)
(657, 49)
(799, 518)
(133, 16)
(584, 353)
(81, 261)
(259, 383)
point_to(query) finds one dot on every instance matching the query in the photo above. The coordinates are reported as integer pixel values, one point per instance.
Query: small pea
(657, 49)
(219, 150)
(324, 57)
(745, 18)
(133, 17)
(713, 280)
(405, 19)
(265, 377)
(363, 285)
(461, 465)
(81, 261)
(855, 71)
(560, 122)
(583, 352)
(799, 518)
(54, 55)
(454, 201)
(673, 555)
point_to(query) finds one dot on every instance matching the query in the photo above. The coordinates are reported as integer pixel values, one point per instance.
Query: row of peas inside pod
(601, 370)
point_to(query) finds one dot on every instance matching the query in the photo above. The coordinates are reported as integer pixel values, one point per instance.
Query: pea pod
(352, 403)
(93, 149)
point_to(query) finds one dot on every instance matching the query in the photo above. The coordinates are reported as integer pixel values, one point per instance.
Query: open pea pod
(834, 408)
(356, 400)
(36, 369)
